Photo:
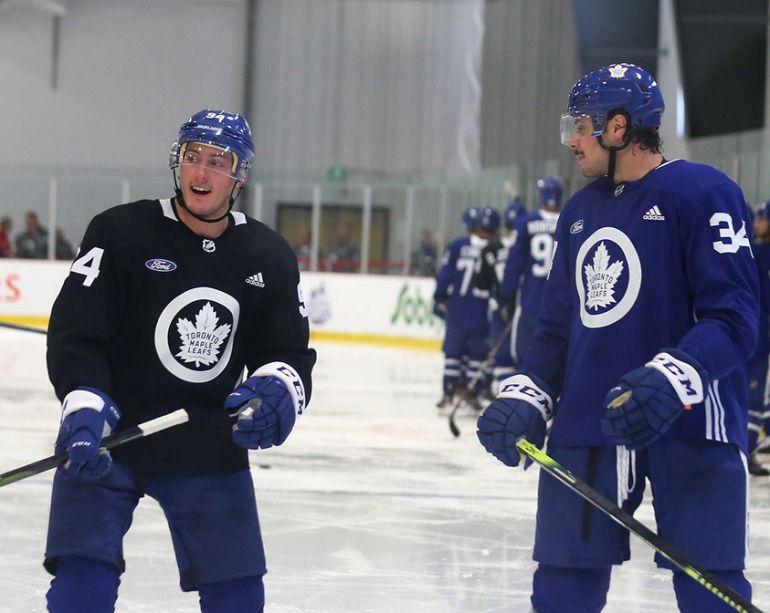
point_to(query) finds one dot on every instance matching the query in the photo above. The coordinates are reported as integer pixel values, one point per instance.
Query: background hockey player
(167, 303)
(493, 258)
(648, 318)
(759, 412)
(466, 308)
(529, 259)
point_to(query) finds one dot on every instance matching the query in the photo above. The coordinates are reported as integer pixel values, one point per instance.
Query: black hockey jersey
(160, 318)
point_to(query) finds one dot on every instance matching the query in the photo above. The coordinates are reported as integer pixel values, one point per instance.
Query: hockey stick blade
(12, 326)
(720, 589)
(490, 356)
(146, 428)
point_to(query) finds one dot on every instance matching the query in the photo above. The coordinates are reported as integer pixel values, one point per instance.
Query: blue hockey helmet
(514, 209)
(470, 218)
(228, 131)
(489, 220)
(617, 86)
(762, 210)
(550, 190)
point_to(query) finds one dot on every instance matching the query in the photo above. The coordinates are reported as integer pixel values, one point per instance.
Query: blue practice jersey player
(466, 309)
(648, 318)
(529, 260)
(759, 383)
(167, 304)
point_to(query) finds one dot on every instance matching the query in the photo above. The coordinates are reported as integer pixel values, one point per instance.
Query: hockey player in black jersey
(165, 306)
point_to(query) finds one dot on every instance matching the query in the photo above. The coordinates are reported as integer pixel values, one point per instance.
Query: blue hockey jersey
(661, 262)
(530, 255)
(466, 304)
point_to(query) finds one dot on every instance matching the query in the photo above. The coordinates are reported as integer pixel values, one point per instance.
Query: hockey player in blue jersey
(528, 262)
(466, 308)
(648, 318)
(759, 412)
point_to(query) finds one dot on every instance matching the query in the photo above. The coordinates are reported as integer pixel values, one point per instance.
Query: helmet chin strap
(613, 154)
(181, 202)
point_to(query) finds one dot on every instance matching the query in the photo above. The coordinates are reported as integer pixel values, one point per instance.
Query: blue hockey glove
(522, 408)
(266, 405)
(648, 400)
(88, 415)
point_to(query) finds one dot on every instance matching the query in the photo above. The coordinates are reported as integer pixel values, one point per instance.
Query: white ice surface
(370, 506)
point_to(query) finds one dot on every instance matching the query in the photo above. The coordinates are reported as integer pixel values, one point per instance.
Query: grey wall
(373, 85)
(530, 64)
(129, 73)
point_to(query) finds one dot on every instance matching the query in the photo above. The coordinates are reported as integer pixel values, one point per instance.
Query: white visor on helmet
(213, 158)
(580, 125)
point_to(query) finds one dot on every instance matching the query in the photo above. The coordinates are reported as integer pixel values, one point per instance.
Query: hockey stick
(8, 324)
(124, 436)
(490, 356)
(721, 590)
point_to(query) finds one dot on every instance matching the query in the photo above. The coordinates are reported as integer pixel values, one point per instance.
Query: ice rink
(370, 506)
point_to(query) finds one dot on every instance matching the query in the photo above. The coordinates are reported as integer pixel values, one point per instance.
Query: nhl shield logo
(194, 334)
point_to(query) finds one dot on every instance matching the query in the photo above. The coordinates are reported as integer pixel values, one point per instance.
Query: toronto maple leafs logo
(201, 341)
(195, 332)
(601, 277)
(618, 71)
(608, 277)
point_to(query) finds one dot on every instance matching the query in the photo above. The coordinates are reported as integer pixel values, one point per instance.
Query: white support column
(125, 191)
(53, 215)
(366, 228)
(315, 228)
(442, 239)
(256, 202)
(408, 221)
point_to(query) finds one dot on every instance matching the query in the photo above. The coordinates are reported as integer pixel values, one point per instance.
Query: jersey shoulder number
(88, 265)
(730, 240)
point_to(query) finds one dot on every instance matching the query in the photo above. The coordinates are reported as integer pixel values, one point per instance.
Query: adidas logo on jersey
(256, 280)
(654, 214)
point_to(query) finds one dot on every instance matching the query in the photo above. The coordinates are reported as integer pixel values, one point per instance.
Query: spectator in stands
(6, 246)
(425, 257)
(346, 256)
(64, 250)
(33, 242)
(303, 251)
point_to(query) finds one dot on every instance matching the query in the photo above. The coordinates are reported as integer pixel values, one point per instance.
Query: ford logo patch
(160, 265)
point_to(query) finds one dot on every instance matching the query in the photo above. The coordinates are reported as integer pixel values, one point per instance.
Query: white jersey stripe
(168, 209)
(721, 411)
(514, 329)
(707, 407)
(746, 520)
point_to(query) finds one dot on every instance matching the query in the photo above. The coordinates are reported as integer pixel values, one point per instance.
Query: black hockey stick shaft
(146, 428)
(12, 326)
(490, 356)
(720, 589)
